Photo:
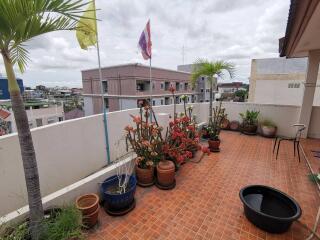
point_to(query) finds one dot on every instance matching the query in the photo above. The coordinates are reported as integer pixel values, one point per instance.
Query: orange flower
(128, 128)
(136, 119)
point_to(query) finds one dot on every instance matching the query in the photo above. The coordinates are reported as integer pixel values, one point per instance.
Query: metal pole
(105, 121)
(150, 79)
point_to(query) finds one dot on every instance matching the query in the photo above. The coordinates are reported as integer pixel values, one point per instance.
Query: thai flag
(145, 42)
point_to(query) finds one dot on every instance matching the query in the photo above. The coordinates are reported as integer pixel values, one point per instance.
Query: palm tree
(20, 21)
(211, 70)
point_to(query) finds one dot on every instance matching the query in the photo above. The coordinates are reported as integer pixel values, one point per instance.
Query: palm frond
(203, 67)
(22, 20)
(19, 55)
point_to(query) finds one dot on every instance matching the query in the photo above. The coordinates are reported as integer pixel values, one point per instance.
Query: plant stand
(120, 212)
(146, 184)
(169, 187)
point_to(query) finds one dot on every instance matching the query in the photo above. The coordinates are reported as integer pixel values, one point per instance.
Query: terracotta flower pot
(225, 124)
(145, 176)
(268, 131)
(165, 173)
(88, 203)
(234, 125)
(214, 145)
(91, 219)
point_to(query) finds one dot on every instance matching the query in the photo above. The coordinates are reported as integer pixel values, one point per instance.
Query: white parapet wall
(70, 151)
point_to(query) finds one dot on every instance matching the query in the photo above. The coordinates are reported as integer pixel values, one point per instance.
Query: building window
(294, 85)
(207, 90)
(51, 120)
(186, 86)
(106, 103)
(39, 122)
(153, 85)
(161, 101)
(166, 86)
(60, 119)
(202, 78)
(161, 85)
(153, 102)
(201, 90)
(105, 86)
(177, 86)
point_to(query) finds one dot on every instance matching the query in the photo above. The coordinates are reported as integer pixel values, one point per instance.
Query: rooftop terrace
(205, 203)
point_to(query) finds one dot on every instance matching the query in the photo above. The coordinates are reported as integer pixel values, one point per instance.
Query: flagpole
(105, 120)
(151, 83)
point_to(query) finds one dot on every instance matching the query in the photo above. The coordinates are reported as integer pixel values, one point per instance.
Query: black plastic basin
(269, 208)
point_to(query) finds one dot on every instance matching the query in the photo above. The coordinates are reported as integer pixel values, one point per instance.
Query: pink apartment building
(126, 85)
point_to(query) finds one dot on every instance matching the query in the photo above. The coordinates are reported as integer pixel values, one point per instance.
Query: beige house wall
(273, 88)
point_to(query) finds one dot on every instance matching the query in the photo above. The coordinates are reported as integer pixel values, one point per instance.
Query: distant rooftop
(135, 65)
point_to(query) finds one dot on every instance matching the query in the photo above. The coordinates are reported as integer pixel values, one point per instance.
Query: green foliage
(250, 117)
(268, 123)
(203, 67)
(22, 20)
(65, 225)
(241, 94)
(214, 126)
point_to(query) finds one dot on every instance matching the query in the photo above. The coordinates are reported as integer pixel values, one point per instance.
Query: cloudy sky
(233, 30)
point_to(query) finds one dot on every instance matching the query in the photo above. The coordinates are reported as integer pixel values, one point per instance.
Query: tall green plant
(212, 70)
(250, 117)
(20, 21)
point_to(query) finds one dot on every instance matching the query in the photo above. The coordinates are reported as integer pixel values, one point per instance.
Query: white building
(39, 114)
(280, 81)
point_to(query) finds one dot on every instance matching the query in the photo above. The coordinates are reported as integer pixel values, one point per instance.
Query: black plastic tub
(269, 208)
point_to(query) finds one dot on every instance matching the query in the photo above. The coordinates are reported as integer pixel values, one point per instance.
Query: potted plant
(234, 125)
(214, 128)
(225, 124)
(88, 204)
(146, 141)
(249, 122)
(268, 128)
(117, 191)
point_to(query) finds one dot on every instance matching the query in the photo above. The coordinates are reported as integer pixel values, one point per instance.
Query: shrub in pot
(249, 122)
(214, 128)
(146, 141)
(268, 128)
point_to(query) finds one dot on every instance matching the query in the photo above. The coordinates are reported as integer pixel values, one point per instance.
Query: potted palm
(211, 70)
(268, 128)
(249, 122)
(146, 141)
(214, 128)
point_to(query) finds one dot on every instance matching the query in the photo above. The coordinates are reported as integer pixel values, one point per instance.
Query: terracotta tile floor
(205, 203)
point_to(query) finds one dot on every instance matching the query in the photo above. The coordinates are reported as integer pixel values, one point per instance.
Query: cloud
(233, 30)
